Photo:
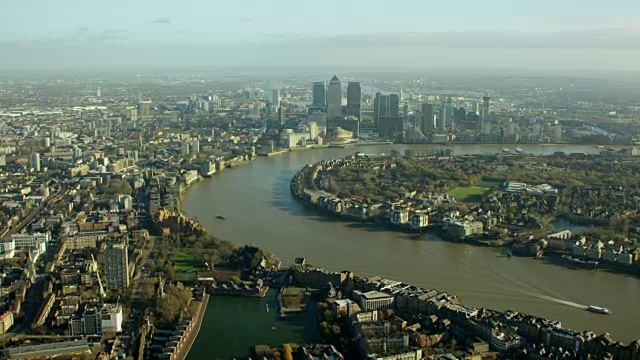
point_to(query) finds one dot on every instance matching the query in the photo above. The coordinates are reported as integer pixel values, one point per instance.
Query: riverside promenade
(184, 351)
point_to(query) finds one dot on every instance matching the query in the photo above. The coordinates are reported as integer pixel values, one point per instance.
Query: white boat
(519, 150)
(598, 310)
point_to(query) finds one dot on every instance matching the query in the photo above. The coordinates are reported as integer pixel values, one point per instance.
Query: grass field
(468, 193)
(185, 260)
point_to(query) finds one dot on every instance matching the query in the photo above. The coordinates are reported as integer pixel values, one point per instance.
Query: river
(260, 210)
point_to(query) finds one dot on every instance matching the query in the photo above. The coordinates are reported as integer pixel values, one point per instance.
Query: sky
(588, 34)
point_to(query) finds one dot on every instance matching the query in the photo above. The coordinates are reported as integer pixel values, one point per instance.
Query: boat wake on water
(520, 287)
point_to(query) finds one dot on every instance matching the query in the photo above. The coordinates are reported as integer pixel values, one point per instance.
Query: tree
(236, 279)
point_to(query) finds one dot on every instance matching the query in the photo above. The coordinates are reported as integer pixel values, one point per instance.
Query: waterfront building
(334, 100)
(320, 277)
(117, 266)
(373, 300)
(354, 100)
(313, 130)
(419, 220)
(399, 216)
(461, 229)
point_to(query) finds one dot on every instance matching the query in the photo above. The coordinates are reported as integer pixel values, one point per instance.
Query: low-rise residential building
(373, 300)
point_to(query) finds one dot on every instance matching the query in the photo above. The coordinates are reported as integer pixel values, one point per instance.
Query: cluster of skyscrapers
(328, 99)
(388, 117)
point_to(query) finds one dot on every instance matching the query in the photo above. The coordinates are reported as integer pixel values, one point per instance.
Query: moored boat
(221, 217)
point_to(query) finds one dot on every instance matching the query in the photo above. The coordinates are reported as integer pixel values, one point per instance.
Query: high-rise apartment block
(34, 162)
(117, 266)
(144, 109)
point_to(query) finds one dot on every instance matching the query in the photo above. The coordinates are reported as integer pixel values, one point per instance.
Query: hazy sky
(465, 33)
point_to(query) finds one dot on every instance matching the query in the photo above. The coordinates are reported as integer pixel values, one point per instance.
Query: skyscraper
(426, 121)
(34, 162)
(281, 116)
(275, 98)
(446, 113)
(144, 109)
(334, 100)
(386, 114)
(117, 266)
(394, 105)
(319, 95)
(485, 110)
(354, 99)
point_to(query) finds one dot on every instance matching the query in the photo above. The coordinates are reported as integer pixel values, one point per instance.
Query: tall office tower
(98, 92)
(446, 113)
(354, 99)
(34, 162)
(334, 100)
(426, 121)
(275, 98)
(386, 114)
(144, 109)
(401, 95)
(116, 263)
(319, 95)
(485, 110)
(394, 105)
(281, 116)
(376, 110)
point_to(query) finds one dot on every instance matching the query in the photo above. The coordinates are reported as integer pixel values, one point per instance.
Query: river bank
(482, 276)
(188, 342)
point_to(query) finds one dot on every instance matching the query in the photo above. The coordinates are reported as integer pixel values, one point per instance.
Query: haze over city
(300, 180)
(533, 36)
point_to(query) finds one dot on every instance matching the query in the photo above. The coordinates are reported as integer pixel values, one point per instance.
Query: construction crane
(95, 266)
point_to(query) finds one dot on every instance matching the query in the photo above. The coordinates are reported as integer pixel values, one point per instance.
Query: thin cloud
(160, 21)
(106, 35)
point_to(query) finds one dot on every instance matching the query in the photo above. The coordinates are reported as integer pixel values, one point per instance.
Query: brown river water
(260, 210)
